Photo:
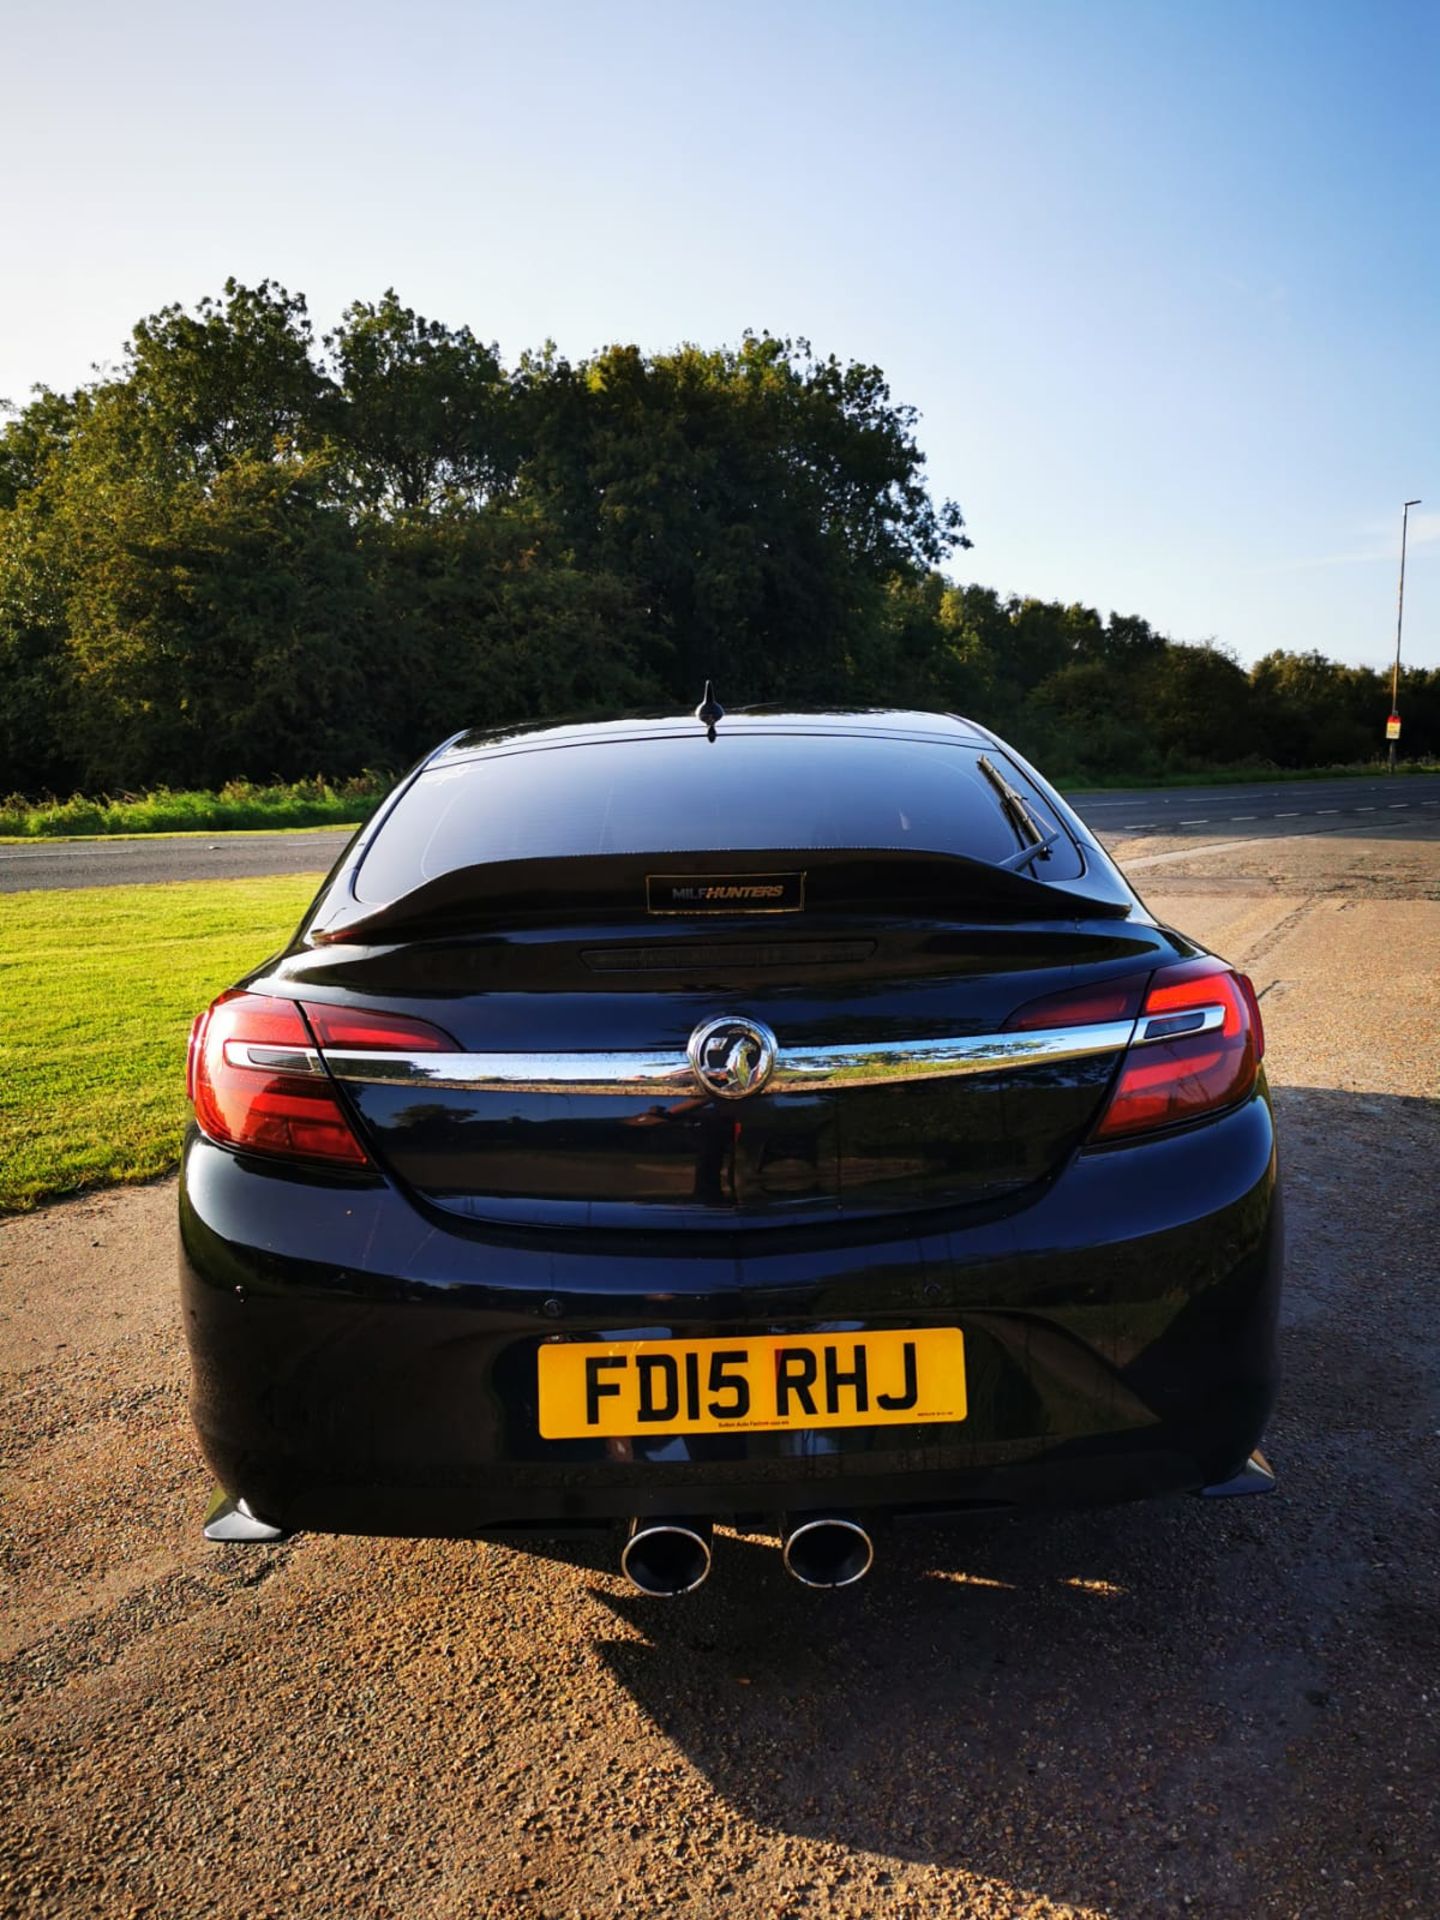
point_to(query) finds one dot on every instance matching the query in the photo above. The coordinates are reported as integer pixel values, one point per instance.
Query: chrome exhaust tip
(666, 1558)
(1256, 1476)
(827, 1550)
(235, 1519)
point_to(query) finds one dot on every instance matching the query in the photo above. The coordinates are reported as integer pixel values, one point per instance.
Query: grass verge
(98, 988)
(240, 806)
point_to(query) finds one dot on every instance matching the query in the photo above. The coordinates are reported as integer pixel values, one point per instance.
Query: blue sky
(1163, 281)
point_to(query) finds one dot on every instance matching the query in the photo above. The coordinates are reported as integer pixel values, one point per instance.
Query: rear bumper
(360, 1367)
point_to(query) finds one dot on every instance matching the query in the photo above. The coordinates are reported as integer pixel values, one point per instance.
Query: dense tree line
(249, 552)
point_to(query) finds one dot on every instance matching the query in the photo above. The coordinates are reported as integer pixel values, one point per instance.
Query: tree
(761, 499)
(35, 435)
(1197, 708)
(37, 752)
(420, 413)
(243, 554)
(1306, 707)
(234, 380)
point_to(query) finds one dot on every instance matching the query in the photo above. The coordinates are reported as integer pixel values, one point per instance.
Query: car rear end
(636, 1131)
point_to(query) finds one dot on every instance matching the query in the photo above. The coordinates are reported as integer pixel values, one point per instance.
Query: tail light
(1089, 1006)
(1198, 1046)
(375, 1032)
(257, 1080)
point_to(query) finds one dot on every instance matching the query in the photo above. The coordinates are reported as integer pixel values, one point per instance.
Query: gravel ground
(1220, 1710)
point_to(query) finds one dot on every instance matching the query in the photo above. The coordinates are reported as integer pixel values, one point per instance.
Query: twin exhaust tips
(827, 1550)
(666, 1558)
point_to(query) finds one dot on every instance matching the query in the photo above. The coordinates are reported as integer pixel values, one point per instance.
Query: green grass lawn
(97, 991)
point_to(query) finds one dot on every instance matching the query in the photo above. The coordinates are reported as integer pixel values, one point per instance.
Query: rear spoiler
(736, 884)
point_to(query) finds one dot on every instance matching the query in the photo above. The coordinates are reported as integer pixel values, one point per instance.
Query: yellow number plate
(638, 1387)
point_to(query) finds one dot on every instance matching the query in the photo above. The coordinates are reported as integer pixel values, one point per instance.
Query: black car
(786, 1118)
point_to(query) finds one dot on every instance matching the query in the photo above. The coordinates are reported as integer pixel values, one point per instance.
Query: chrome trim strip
(251, 1053)
(626, 1073)
(642, 1075)
(1195, 1020)
(869, 1063)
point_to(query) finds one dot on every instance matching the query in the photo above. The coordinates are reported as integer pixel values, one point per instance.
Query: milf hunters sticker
(725, 892)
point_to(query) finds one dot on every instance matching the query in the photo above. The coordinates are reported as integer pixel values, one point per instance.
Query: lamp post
(1399, 629)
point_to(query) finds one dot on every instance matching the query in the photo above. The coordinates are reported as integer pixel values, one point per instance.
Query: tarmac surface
(118, 862)
(1207, 813)
(1225, 1709)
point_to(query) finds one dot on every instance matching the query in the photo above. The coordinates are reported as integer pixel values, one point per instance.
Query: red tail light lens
(254, 1076)
(375, 1032)
(1086, 1007)
(1170, 1074)
(283, 1105)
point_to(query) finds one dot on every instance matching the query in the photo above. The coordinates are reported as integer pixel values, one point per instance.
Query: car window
(678, 794)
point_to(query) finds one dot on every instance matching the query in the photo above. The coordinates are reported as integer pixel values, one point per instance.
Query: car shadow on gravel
(1121, 1709)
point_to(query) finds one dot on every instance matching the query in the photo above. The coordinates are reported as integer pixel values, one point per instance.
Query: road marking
(1203, 821)
(1208, 849)
(1396, 805)
(48, 853)
(1180, 796)
(1117, 799)
(1346, 796)
(1285, 816)
(1364, 809)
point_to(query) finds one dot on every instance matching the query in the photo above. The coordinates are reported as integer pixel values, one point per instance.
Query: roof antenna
(709, 711)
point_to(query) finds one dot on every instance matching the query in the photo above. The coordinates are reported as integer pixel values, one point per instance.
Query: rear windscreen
(681, 794)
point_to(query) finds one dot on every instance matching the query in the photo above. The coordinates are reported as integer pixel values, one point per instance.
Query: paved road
(1288, 806)
(117, 862)
(1205, 812)
(1229, 1712)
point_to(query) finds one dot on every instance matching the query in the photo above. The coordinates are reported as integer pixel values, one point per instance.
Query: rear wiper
(1035, 844)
